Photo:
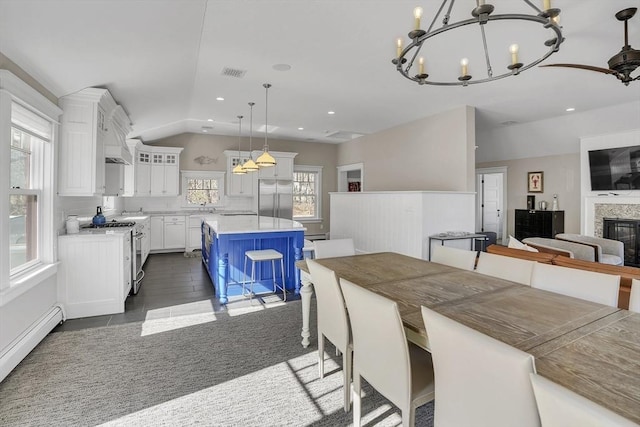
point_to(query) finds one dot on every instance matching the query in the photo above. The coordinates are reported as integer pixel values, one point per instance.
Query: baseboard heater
(28, 340)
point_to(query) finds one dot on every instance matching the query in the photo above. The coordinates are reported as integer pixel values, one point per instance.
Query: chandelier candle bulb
(546, 4)
(417, 14)
(464, 64)
(399, 48)
(421, 65)
(514, 53)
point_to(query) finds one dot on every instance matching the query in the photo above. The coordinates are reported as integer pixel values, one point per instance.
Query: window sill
(308, 220)
(25, 281)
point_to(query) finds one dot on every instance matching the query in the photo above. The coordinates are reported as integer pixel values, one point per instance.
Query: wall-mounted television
(614, 169)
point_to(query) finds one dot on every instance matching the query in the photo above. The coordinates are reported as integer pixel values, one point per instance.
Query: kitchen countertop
(252, 224)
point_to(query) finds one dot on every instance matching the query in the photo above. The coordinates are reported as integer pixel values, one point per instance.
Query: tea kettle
(99, 219)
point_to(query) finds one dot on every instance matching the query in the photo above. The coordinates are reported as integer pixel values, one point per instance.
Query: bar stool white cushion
(260, 256)
(560, 407)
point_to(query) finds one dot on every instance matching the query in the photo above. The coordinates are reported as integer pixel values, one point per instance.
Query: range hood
(115, 147)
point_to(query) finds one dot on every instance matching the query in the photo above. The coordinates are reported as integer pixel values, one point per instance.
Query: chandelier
(481, 15)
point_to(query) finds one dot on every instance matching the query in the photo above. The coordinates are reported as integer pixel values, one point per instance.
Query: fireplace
(626, 231)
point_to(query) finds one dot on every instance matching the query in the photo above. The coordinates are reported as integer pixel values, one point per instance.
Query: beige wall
(434, 153)
(213, 146)
(561, 177)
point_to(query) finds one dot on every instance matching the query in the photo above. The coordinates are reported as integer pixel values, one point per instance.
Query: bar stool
(259, 256)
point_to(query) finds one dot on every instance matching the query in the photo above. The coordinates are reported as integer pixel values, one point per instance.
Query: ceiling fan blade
(583, 67)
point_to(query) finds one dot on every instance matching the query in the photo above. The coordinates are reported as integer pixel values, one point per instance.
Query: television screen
(615, 169)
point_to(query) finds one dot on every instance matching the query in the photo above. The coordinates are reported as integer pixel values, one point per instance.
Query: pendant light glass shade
(239, 169)
(266, 159)
(250, 165)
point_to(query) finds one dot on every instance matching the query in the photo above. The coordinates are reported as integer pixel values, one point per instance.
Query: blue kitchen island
(225, 239)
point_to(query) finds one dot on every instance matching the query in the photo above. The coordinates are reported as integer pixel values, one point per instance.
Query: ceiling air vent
(233, 72)
(342, 134)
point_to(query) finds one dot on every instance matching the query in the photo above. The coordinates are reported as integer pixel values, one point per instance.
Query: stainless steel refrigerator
(275, 198)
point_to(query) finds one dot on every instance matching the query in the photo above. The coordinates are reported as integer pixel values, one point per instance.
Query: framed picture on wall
(534, 182)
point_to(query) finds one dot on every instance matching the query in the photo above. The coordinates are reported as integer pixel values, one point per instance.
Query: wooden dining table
(587, 347)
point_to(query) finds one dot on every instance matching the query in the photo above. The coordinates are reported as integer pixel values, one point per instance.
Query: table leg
(305, 296)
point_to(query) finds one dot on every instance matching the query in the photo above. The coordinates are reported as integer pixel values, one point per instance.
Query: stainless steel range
(138, 234)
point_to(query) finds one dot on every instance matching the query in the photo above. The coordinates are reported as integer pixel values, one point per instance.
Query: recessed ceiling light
(219, 98)
(300, 128)
(209, 120)
(204, 130)
(331, 112)
(571, 109)
(282, 67)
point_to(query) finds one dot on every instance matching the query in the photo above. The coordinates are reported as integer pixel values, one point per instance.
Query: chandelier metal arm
(533, 6)
(486, 52)
(417, 43)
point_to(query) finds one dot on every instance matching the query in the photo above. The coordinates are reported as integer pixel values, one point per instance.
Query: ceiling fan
(623, 63)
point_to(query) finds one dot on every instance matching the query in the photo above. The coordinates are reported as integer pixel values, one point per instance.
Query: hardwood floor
(173, 285)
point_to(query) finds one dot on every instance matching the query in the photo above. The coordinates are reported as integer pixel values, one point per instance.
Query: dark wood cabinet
(538, 223)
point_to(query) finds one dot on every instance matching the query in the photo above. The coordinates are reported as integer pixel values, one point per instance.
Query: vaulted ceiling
(166, 62)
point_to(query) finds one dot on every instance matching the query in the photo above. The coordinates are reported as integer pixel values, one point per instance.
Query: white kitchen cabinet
(283, 168)
(175, 232)
(94, 275)
(239, 185)
(165, 171)
(156, 232)
(194, 233)
(81, 161)
(168, 233)
(143, 173)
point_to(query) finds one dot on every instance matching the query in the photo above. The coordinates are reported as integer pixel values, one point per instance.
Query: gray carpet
(220, 369)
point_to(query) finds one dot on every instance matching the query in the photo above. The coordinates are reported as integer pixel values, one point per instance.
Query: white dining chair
(454, 257)
(587, 285)
(333, 322)
(560, 407)
(334, 248)
(400, 371)
(504, 267)
(479, 381)
(634, 299)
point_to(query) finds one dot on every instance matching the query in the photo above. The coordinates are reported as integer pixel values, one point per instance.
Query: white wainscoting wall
(401, 221)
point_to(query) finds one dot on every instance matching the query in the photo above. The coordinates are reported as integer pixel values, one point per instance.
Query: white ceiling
(162, 60)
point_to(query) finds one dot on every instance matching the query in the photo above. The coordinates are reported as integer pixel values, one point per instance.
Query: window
(202, 188)
(23, 199)
(307, 193)
(27, 139)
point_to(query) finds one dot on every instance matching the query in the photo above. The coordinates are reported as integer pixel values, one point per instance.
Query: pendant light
(266, 159)
(239, 169)
(250, 165)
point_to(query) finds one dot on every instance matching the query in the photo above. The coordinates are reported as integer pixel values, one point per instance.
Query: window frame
(217, 175)
(319, 194)
(15, 91)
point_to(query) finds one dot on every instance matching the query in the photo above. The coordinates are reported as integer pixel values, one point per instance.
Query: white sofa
(562, 247)
(607, 251)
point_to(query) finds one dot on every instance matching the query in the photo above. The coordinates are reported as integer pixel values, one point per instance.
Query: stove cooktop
(111, 224)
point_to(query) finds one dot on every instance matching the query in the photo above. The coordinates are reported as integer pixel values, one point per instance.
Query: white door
(492, 204)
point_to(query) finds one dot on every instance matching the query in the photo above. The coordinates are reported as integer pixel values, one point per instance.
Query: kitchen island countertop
(252, 224)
